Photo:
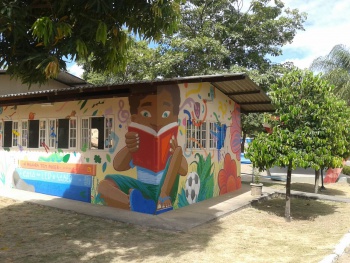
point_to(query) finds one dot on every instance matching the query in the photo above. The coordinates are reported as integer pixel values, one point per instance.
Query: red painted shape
(154, 147)
(332, 175)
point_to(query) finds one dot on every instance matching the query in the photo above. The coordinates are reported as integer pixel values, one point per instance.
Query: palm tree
(336, 69)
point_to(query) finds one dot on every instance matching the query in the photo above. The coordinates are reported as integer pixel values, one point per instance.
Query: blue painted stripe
(55, 177)
(73, 192)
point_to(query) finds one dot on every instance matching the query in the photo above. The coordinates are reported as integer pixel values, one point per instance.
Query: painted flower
(228, 179)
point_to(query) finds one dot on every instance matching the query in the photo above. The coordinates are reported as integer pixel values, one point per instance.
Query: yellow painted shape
(194, 91)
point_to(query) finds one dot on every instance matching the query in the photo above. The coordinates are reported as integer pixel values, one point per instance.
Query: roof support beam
(254, 102)
(256, 111)
(237, 93)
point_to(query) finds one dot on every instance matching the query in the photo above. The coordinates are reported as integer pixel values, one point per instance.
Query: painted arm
(121, 161)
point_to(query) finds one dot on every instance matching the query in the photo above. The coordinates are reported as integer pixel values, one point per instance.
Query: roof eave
(237, 87)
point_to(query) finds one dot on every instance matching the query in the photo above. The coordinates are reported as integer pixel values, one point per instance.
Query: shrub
(346, 170)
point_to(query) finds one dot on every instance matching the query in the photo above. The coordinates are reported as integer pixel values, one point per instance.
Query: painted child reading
(151, 147)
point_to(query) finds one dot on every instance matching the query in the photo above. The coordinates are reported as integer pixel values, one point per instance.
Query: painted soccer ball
(192, 187)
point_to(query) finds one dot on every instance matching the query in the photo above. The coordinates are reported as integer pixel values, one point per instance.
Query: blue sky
(327, 24)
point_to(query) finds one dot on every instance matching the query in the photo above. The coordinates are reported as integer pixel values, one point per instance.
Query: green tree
(336, 69)
(312, 129)
(252, 122)
(215, 35)
(251, 126)
(140, 63)
(37, 36)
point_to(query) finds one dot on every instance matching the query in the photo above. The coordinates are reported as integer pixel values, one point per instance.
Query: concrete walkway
(177, 220)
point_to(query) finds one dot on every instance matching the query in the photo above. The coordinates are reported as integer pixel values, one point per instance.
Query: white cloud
(328, 24)
(76, 70)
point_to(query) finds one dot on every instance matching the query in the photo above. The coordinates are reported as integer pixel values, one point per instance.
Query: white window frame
(52, 133)
(85, 133)
(15, 137)
(203, 134)
(213, 140)
(108, 129)
(73, 139)
(24, 133)
(42, 133)
(72, 133)
(199, 133)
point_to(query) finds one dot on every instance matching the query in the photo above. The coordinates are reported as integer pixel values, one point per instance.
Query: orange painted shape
(164, 147)
(87, 169)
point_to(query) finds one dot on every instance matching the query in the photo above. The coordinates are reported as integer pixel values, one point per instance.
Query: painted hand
(132, 141)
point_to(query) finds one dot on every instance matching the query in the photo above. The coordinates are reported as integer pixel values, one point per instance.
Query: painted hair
(173, 89)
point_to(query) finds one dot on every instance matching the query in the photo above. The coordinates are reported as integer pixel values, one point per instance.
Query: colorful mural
(148, 153)
(152, 149)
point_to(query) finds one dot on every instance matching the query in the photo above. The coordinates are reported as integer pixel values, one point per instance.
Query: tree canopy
(38, 36)
(140, 66)
(252, 122)
(311, 127)
(216, 35)
(336, 69)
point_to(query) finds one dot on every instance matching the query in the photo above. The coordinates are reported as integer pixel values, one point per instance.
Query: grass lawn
(33, 233)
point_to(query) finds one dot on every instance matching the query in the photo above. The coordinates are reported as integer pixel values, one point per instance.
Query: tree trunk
(243, 141)
(287, 209)
(317, 180)
(268, 172)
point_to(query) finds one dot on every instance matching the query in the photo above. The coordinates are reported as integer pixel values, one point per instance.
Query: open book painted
(154, 146)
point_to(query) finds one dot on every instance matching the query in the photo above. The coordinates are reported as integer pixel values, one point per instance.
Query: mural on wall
(200, 184)
(228, 176)
(152, 149)
(149, 153)
(73, 181)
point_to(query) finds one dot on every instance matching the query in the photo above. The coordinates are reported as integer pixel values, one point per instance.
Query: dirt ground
(33, 233)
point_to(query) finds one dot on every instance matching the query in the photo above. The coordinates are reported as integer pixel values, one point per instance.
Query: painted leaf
(84, 148)
(108, 157)
(83, 104)
(207, 167)
(104, 167)
(182, 200)
(66, 158)
(207, 189)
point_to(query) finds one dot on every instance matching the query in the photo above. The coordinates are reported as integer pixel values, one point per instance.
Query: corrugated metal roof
(236, 86)
(69, 79)
(65, 78)
(246, 93)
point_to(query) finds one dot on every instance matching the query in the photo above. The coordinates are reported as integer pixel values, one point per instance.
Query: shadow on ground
(306, 187)
(301, 209)
(37, 233)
